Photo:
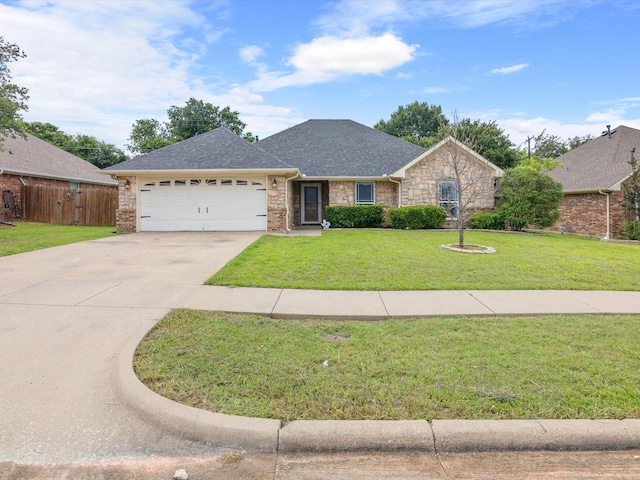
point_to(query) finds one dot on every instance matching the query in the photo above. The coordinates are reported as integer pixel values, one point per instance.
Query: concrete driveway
(60, 340)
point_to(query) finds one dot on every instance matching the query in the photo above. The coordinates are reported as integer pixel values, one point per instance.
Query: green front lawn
(25, 237)
(414, 260)
(439, 368)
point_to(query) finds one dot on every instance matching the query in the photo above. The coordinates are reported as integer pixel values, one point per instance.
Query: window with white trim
(365, 193)
(448, 197)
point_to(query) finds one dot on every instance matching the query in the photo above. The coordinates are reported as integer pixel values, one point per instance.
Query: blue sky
(94, 67)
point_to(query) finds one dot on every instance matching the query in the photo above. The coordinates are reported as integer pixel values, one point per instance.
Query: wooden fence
(64, 206)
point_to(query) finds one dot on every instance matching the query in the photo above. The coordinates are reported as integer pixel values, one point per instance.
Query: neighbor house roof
(340, 148)
(219, 149)
(36, 158)
(599, 164)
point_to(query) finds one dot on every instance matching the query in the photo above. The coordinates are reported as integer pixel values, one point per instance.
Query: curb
(331, 436)
(216, 429)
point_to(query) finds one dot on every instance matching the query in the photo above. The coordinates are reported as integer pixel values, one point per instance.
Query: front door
(311, 203)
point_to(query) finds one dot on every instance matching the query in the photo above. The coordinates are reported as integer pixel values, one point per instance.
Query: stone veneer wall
(126, 214)
(276, 206)
(420, 185)
(586, 214)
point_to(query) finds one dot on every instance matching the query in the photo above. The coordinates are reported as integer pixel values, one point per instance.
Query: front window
(365, 193)
(448, 197)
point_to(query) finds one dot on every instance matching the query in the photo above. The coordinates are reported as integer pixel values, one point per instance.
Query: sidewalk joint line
(276, 302)
(478, 300)
(96, 294)
(383, 304)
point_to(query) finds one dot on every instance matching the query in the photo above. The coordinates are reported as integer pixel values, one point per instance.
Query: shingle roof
(217, 149)
(35, 157)
(599, 164)
(340, 148)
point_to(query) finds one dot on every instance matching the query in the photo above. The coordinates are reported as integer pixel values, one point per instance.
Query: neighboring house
(219, 181)
(33, 162)
(592, 176)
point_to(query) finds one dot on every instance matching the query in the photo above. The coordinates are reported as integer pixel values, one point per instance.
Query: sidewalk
(368, 305)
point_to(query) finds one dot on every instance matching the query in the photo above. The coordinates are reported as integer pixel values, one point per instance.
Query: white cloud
(510, 69)
(436, 90)
(328, 58)
(359, 17)
(251, 53)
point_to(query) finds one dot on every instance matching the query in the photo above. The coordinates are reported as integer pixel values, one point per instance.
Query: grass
(414, 260)
(441, 368)
(25, 237)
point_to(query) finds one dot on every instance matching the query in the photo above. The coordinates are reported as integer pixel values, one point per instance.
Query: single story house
(592, 176)
(33, 162)
(218, 181)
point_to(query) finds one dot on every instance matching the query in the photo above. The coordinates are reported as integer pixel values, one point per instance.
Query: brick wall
(586, 214)
(10, 182)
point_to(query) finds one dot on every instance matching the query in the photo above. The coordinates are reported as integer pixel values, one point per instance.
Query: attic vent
(608, 132)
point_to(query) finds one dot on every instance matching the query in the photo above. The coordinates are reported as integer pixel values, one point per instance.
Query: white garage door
(203, 204)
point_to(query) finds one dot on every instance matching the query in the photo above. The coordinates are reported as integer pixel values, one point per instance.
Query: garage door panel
(203, 207)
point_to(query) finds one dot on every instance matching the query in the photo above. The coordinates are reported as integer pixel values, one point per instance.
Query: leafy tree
(89, 148)
(538, 164)
(549, 146)
(488, 139)
(576, 141)
(414, 122)
(50, 133)
(529, 197)
(195, 118)
(147, 135)
(99, 153)
(13, 98)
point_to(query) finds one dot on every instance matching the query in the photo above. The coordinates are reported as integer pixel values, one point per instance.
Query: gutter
(399, 190)
(606, 194)
(286, 199)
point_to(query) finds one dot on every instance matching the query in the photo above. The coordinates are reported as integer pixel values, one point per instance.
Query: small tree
(464, 176)
(529, 197)
(631, 202)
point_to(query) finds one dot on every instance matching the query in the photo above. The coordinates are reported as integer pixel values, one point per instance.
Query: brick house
(219, 181)
(34, 162)
(592, 176)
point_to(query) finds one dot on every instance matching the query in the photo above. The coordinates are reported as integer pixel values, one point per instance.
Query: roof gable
(219, 149)
(37, 158)
(340, 148)
(599, 164)
(450, 141)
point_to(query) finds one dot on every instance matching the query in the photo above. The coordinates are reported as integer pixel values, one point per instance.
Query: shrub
(631, 229)
(417, 217)
(355, 216)
(487, 221)
(529, 198)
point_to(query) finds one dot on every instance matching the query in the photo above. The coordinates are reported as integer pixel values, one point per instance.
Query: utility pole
(529, 146)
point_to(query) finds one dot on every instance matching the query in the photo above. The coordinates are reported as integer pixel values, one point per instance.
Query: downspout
(286, 199)
(399, 190)
(606, 194)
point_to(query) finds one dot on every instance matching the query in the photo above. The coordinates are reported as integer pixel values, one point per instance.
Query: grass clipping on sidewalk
(439, 368)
